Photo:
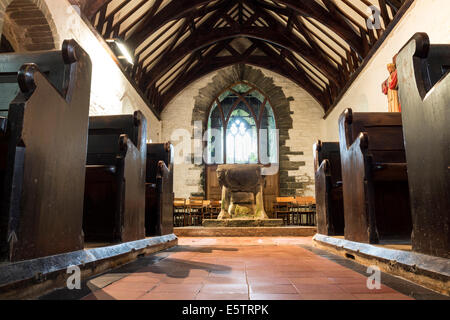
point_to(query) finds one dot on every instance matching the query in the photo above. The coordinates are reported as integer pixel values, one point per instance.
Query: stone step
(285, 231)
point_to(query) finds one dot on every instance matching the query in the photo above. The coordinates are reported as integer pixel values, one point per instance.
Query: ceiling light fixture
(120, 50)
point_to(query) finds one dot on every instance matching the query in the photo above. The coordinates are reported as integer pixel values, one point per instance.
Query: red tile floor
(243, 269)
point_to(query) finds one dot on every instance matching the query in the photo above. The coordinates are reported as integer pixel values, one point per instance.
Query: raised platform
(290, 231)
(32, 278)
(242, 223)
(428, 271)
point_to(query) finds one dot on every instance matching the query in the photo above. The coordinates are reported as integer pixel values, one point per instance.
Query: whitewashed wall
(111, 93)
(177, 115)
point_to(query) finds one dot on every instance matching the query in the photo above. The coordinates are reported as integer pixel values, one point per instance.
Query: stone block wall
(308, 127)
(28, 25)
(298, 115)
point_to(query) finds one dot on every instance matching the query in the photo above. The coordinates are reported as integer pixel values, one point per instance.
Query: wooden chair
(214, 208)
(179, 212)
(297, 208)
(283, 207)
(305, 210)
(311, 210)
(424, 90)
(195, 209)
(206, 208)
(44, 112)
(301, 216)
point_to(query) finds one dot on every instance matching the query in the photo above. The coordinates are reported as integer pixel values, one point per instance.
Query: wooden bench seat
(389, 172)
(424, 91)
(44, 105)
(328, 183)
(375, 186)
(114, 203)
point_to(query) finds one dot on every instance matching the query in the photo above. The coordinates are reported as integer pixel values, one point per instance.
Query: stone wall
(298, 119)
(308, 127)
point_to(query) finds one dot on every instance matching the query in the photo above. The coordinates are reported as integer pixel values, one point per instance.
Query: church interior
(224, 150)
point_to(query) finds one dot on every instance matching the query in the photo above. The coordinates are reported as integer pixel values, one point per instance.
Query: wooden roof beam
(201, 39)
(217, 63)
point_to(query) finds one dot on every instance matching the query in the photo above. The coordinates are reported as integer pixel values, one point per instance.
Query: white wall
(178, 115)
(111, 93)
(430, 16)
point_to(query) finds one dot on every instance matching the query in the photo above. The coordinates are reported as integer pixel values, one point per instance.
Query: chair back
(179, 202)
(285, 199)
(305, 200)
(194, 203)
(215, 203)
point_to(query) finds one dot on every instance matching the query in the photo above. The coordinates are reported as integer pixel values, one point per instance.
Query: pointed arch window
(242, 127)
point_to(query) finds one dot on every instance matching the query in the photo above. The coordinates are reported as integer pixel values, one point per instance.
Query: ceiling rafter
(212, 63)
(318, 44)
(202, 38)
(172, 11)
(312, 43)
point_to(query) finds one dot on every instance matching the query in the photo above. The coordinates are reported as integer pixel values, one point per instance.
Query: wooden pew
(375, 183)
(329, 198)
(44, 105)
(159, 194)
(425, 97)
(114, 203)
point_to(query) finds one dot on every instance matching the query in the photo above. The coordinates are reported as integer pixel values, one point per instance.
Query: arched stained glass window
(242, 127)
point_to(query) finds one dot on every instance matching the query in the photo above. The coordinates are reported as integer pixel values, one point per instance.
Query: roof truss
(318, 44)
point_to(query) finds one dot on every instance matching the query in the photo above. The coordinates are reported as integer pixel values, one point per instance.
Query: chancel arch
(26, 25)
(280, 104)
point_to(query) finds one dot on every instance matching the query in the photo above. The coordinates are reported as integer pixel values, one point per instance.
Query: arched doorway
(241, 129)
(26, 26)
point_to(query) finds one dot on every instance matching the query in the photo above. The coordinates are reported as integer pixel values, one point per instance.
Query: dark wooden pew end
(114, 205)
(424, 91)
(328, 183)
(159, 190)
(44, 111)
(375, 183)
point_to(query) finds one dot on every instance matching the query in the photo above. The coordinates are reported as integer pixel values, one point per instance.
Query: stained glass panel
(241, 108)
